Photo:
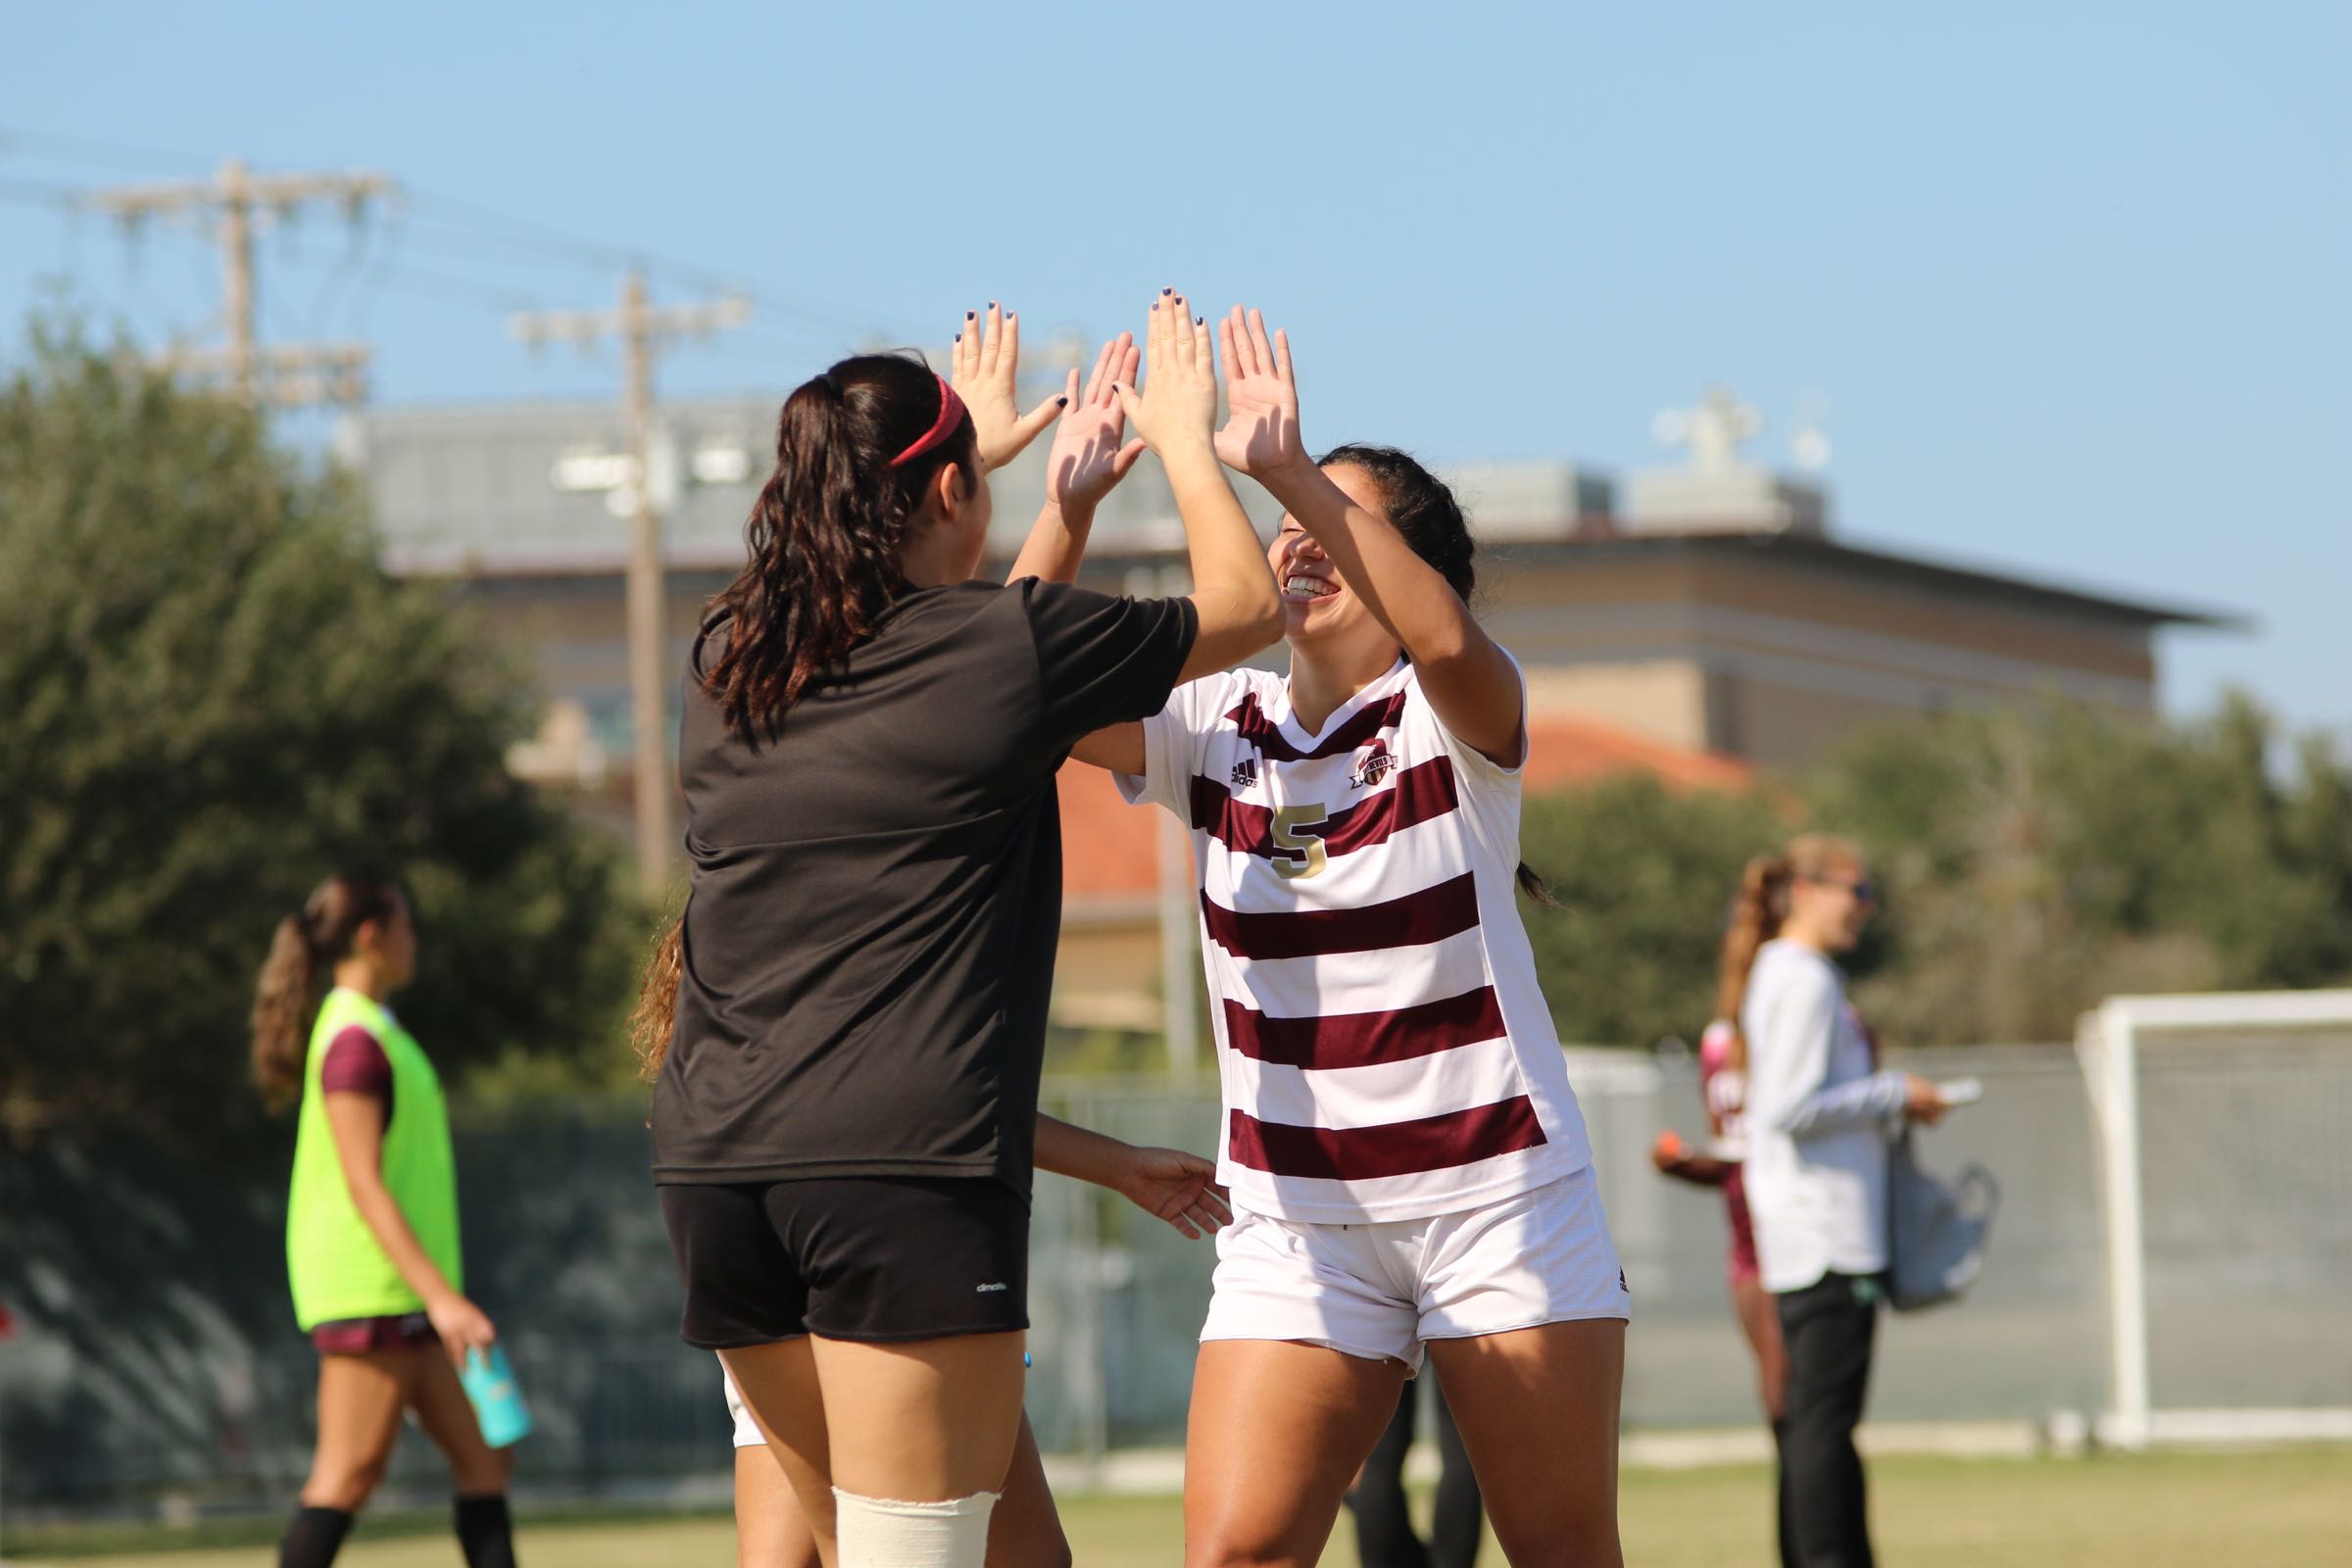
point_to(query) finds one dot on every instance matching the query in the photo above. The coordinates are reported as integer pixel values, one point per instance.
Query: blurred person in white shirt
(1820, 1114)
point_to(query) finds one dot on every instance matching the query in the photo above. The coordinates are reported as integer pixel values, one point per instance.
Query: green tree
(1643, 878)
(2037, 859)
(211, 696)
(2031, 862)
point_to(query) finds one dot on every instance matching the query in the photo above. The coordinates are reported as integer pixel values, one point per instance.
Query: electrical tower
(643, 331)
(283, 376)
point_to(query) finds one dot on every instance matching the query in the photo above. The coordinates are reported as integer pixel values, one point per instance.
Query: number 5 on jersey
(1311, 856)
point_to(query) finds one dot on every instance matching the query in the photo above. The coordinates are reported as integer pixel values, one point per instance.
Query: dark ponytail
(303, 950)
(828, 532)
(1422, 507)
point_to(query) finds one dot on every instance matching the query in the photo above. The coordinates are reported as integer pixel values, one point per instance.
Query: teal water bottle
(496, 1397)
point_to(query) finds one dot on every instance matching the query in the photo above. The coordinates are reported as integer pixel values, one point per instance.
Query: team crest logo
(1371, 768)
(1244, 775)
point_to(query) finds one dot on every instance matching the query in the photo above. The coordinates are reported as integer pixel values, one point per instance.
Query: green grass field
(2175, 1510)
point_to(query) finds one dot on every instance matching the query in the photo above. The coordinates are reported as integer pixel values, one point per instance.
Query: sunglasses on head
(1864, 891)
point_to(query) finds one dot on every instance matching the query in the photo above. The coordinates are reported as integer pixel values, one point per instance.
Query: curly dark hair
(827, 533)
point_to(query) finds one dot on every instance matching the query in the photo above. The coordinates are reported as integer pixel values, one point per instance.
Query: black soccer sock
(313, 1538)
(485, 1534)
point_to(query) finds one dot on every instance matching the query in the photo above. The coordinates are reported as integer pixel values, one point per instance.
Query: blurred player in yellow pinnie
(371, 1222)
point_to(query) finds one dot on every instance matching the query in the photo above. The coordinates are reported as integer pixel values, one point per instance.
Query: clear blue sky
(2076, 283)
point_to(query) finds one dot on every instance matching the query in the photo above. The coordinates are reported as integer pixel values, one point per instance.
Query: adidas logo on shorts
(983, 1290)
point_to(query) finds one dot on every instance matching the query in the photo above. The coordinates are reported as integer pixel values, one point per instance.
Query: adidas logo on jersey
(1244, 775)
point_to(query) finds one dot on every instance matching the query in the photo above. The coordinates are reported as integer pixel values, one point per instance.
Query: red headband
(951, 415)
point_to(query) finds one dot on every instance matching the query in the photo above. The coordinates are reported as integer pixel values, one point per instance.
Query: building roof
(1109, 853)
(1883, 565)
(475, 490)
(505, 490)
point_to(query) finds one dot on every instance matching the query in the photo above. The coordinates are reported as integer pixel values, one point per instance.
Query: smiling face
(1320, 616)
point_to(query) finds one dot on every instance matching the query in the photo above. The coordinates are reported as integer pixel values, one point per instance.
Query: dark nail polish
(1168, 291)
(970, 315)
(1062, 402)
(959, 337)
(1196, 322)
(1155, 305)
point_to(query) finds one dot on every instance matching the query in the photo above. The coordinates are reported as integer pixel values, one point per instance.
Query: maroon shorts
(353, 1335)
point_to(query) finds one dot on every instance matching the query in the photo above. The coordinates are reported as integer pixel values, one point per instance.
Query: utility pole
(283, 376)
(644, 331)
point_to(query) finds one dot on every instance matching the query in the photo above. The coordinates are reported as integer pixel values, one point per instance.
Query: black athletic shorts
(850, 1257)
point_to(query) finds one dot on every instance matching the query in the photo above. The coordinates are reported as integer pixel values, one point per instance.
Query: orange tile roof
(1108, 848)
(1583, 750)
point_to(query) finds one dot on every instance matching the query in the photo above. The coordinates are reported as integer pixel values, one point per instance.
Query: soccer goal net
(2225, 1133)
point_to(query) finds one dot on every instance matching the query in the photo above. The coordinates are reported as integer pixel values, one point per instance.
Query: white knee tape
(876, 1532)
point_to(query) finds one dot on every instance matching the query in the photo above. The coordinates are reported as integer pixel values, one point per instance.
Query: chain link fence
(159, 1367)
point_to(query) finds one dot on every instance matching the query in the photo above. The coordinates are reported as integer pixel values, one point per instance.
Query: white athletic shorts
(747, 1431)
(1380, 1289)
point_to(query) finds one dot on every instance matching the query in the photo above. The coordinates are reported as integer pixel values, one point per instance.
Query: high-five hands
(1261, 398)
(986, 355)
(1087, 457)
(1176, 405)
(1177, 409)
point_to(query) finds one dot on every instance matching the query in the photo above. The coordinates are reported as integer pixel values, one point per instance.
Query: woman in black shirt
(843, 1121)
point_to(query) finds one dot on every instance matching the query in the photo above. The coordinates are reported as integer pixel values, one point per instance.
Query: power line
(527, 236)
(40, 193)
(489, 224)
(425, 218)
(426, 284)
(88, 150)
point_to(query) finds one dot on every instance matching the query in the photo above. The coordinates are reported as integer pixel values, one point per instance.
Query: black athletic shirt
(877, 893)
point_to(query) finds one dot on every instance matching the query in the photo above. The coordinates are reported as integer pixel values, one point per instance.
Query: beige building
(1769, 647)
(1714, 613)
(1710, 625)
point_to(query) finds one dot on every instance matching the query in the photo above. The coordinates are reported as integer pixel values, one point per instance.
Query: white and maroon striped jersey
(1385, 1051)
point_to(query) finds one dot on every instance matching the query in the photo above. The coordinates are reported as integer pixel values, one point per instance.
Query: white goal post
(2256, 1091)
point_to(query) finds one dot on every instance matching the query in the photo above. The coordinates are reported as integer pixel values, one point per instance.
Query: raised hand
(986, 355)
(1261, 398)
(1087, 457)
(1176, 1187)
(1177, 408)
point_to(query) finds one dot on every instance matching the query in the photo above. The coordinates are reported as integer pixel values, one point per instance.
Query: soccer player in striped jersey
(1409, 1167)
